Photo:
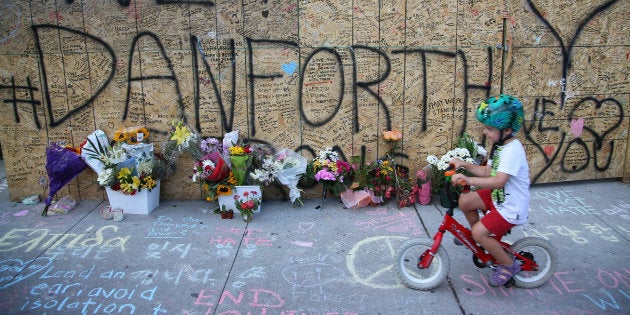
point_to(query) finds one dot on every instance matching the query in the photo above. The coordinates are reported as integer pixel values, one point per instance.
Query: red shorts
(493, 220)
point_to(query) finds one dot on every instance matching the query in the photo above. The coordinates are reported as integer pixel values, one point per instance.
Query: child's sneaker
(502, 274)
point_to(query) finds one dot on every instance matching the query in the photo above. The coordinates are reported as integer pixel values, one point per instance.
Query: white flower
(327, 155)
(443, 163)
(106, 177)
(206, 163)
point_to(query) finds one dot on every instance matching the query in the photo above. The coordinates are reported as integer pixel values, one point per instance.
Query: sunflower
(120, 136)
(224, 190)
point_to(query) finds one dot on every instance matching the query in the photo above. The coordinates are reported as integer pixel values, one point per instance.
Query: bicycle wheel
(545, 256)
(406, 264)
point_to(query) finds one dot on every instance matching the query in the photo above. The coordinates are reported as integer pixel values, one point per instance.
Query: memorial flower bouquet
(128, 165)
(240, 159)
(423, 187)
(221, 165)
(383, 179)
(63, 164)
(334, 173)
(180, 139)
(214, 174)
(402, 183)
(286, 167)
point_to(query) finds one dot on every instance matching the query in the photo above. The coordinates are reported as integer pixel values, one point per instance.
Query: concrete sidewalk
(183, 259)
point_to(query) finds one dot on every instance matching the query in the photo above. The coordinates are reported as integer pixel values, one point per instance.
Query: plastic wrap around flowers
(287, 167)
(210, 168)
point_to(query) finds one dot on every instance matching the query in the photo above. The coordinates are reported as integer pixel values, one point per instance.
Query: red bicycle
(423, 264)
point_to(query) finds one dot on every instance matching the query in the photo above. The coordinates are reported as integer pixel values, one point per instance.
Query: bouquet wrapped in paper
(293, 167)
(63, 164)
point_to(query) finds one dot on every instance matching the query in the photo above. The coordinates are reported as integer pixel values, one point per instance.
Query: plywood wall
(310, 74)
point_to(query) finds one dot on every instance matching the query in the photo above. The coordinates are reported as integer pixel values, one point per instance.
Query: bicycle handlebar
(450, 171)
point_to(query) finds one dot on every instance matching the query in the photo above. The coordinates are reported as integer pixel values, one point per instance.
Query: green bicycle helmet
(502, 111)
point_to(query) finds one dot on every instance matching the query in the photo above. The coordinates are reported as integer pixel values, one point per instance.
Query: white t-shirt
(512, 201)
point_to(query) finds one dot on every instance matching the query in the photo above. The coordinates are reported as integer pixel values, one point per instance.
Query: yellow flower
(124, 172)
(224, 190)
(231, 179)
(144, 131)
(136, 181)
(181, 134)
(120, 136)
(149, 182)
(237, 150)
(130, 187)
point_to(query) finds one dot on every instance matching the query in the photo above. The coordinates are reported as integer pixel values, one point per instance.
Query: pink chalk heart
(305, 226)
(21, 213)
(549, 150)
(15, 270)
(577, 126)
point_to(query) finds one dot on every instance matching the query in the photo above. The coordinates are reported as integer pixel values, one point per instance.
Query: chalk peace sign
(379, 251)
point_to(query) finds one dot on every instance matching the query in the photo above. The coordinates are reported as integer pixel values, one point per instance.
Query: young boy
(502, 185)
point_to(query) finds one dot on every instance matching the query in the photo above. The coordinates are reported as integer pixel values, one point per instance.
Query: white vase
(142, 202)
(229, 201)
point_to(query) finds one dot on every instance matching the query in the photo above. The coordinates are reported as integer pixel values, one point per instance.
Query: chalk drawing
(311, 275)
(15, 270)
(381, 276)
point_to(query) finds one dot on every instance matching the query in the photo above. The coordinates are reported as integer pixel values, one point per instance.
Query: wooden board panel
(316, 74)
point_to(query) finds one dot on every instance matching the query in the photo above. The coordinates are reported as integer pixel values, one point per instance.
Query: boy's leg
(470, 204)
(494, 223)
(481, 235)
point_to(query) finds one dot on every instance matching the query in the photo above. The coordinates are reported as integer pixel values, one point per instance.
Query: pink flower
(421, 175)
(325, 174)
(343, 167)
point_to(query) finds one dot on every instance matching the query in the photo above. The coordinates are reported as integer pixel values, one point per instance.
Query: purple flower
(209, 144)
(325, 174)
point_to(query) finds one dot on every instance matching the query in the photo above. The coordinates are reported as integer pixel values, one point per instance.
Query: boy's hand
(459, 180)
(457, 163)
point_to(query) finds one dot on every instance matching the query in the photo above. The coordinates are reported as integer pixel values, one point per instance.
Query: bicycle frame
(464, 235)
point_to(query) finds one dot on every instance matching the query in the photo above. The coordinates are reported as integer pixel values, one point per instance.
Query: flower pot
(142, 202)
(229, 202)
